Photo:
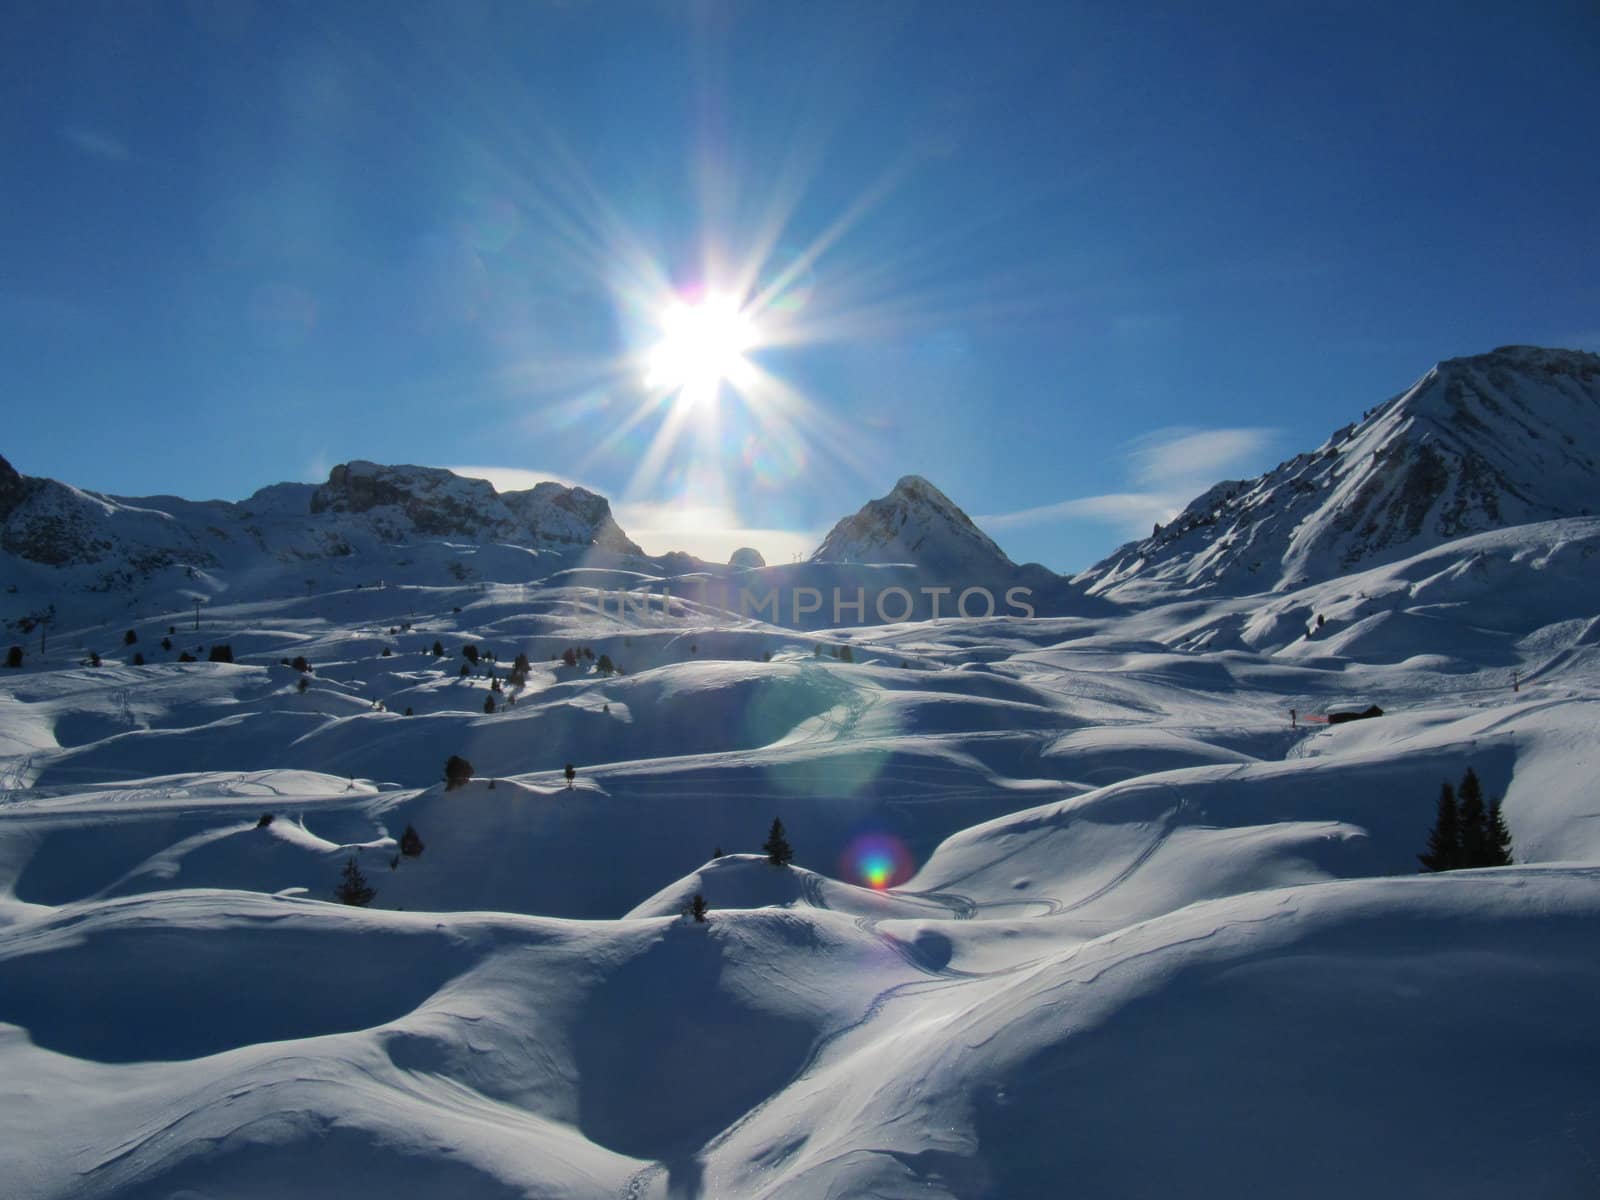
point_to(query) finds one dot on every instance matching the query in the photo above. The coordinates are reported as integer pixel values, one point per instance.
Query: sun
(702, 344)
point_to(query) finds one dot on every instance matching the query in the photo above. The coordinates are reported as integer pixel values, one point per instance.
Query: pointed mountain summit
(1476, 444)
(915, 523)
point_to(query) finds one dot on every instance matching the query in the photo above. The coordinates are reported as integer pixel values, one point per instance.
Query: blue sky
(1072, 263)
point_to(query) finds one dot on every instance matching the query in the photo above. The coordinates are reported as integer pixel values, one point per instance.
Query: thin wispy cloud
(708, 531)
(1166, 468)
(96, 144)
(1199, 456)
(517, 479)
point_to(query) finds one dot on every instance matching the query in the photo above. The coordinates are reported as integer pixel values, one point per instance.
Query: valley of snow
(1147, 936)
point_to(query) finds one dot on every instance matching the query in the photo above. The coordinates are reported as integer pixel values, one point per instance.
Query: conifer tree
(353, 887)
(779, 852)
(1499, 840)
(410, 843)
(457, 771)
(488, 704)
(1474, 821)
(571, 773)
(697, 907)
(1444, 839)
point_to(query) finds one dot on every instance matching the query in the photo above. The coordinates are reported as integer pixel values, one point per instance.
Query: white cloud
(1196, 456)
(710, 532)
(1118, 508)
(1169, 467)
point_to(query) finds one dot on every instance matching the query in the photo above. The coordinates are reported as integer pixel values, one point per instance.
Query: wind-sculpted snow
(1095, 902)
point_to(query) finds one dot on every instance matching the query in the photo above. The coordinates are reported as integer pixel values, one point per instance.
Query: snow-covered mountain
(915, 523)
(1476, 444)
(55, 524)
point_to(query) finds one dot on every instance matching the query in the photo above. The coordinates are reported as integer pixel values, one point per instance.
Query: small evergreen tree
(166, 644)
(353, 887)
(299, 687)
(779, 852)
(465, 671)
(488, 704)
(571, 773)
(1498, 847)
(94, 658)
(222, 652)
(1474, 821)
(129, 638)
(470, 653)
(410, 843)
(605, 665)
(697, 907)
(438, 650)
(386, 652)
(14, 657)
(846, 654)
(187, 657)
(716, 852)
(299, 663)
(138, 658)
(408, 711)
(1444, 839)
(457, 771)
(521, 666)
(264, 820)
(569, 657)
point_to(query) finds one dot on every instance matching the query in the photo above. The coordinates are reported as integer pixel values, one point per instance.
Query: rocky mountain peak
(914, 523)
(1480, 442)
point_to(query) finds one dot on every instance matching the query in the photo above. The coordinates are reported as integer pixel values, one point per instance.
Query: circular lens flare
(878, 860)
(702, 343)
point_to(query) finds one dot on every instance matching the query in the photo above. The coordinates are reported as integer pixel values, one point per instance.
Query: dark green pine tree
(353, 887)
(1499, 847)
(779, 852)
(1474, 822)
(1444, 839)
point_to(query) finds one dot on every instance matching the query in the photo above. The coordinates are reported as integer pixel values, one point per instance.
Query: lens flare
(879, 860)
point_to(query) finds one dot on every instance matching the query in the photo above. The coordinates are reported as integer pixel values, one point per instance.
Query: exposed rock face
(915, 523)
(54, 524)
(746, 558)
(13, 488)
(437, 503)
(1477, 443)
(572, 515)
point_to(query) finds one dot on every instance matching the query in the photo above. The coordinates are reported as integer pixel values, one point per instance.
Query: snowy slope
(1476, 444)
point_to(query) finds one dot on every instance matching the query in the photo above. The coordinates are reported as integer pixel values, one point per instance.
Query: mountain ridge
(1478, 442)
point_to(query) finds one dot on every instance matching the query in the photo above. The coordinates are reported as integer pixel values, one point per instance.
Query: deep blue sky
(1076, 260)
